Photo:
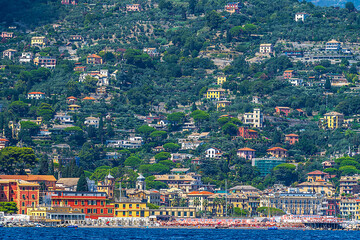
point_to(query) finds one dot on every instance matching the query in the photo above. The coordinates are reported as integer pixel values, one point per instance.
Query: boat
(72, 226)
(272, 228)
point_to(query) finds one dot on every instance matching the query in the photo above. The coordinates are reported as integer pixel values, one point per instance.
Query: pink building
(285, 110)
(69, 2)
(291, 138)
(7, 34)
(246, 153)
(288, 74)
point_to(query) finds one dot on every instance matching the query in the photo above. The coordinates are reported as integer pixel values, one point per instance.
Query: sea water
(169, 234)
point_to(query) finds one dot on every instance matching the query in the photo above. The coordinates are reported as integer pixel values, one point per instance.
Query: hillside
(335, 3)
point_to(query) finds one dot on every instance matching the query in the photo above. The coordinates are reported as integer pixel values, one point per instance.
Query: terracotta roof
(250, 130)
(200, 193)
(246, 149)
(74, 105)
(36, 93)
(289, 71)
(276, 148)
(292, 135)
(3, 140)
(317, 172)
(71, 97)
(93, 56)
(88, 98)
(50, 178)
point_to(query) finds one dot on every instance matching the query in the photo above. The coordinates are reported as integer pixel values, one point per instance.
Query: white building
(254, 119)
(333, 45)
(300, 16)
(92, 121)
(266, 48)
(296, 81)
(132, 142)
(102, 76)
(64, 118)
(36, 95)
(26, 57)
(10, 53)
(213, 153)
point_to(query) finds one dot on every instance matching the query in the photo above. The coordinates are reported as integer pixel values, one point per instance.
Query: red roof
(292, 135)
(200, 193)
(88, 98)
(30, 177)
(246, 149)
(250, 130)
(3, 140)
(317, 172)
(71, 97)
(276, 149)
(36, 93)
(93, 56)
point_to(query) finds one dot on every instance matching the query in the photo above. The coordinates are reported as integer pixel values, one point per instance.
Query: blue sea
(176, 234)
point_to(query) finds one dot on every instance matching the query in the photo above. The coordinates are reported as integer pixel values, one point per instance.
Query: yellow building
(39, 41)
(58, 214)
(332, 120)
(221, 80)
(107, 186)
(183, 212)
(319, 186)
(131, 208)
(74, 107)
(215, 94)
(222, 104)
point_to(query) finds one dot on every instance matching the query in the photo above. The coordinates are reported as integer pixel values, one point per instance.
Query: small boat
(272, 228)
(72, 226)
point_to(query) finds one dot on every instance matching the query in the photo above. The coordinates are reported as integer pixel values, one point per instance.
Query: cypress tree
(82, 184)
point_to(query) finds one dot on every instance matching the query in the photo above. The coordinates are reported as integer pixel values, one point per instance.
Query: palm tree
(205, 204)
(196, 204)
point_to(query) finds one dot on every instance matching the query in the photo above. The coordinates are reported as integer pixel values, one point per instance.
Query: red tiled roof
(246, 149)
(50, 178)
(200, 193)
(292, 135)
(93, 56)
(36, 93)
(71, 97)
(317, 172)
(276, 149)
(250, 130)
(88, 98)
(3, 140)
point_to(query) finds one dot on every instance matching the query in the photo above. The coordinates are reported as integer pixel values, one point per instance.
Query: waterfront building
(131, 208)
(92, 204)
(179, 212)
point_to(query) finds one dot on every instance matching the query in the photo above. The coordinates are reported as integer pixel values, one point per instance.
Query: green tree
(14, 160)
(285, 173)
(162, 156)
(171, 147)
(230, 128)
(213, 19)
(82, 184)
(19, 108)
(45, 111)
(132, 161)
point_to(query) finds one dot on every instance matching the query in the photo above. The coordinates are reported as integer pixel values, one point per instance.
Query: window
(191, 214)
(130, 205)
(123, 213)
(95, 210)
(76, 202)
(137, 213)
(66, 202)
(82, 202)
(137, 205)
(23, 196)
(33, 196)
(185, 214)
(124, 205)
(23, 204)
(101, 210)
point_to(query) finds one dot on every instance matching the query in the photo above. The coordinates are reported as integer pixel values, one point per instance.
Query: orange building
(291, 138)
(92, 204)
(247, 133)
(317, 176)
(94, 59)
(288, 74)
(278, 152)
(48, 180)
(24, 194)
